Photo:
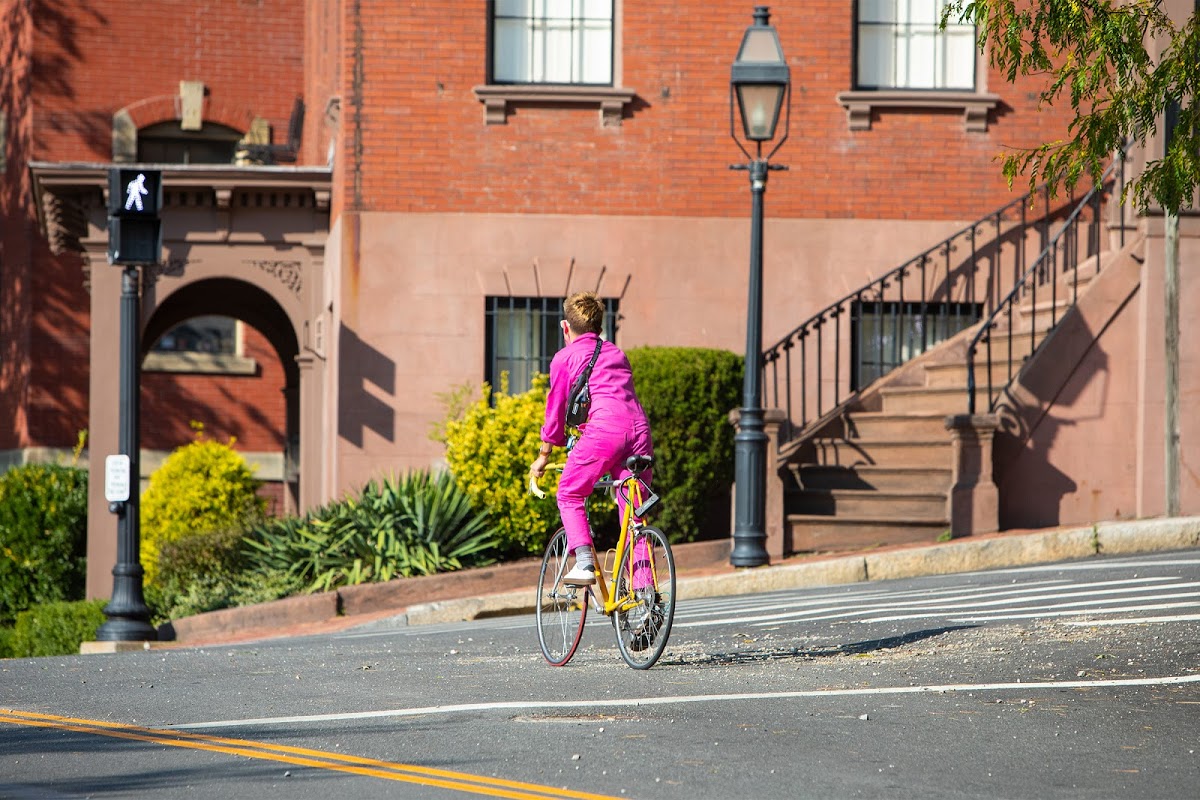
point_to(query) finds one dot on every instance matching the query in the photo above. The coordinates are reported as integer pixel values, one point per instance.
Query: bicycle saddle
(638, 464)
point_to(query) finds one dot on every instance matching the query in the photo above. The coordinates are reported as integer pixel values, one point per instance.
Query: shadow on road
(760, 655)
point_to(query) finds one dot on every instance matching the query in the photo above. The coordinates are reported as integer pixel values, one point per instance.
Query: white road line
(636, 702)
(1135, 620)
(1086, 565)
(1038, 615)
(1098, 603)
(1010, 595)
(870, 599)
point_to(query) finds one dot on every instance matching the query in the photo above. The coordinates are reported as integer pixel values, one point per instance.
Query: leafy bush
(206, 571)
(489, 449)
(6, 635)
(43, 536)
(56, 629)
(415, 525)
(687, 393)
(202, 487)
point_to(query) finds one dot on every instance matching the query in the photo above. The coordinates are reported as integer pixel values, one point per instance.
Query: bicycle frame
(633, 499)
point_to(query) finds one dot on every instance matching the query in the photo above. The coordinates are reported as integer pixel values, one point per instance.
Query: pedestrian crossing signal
(134, 227)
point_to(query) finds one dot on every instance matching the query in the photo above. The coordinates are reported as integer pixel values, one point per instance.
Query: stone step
(896, 427)
(868, 476)
(924, 399)
(1046, 313)
(955, 373)
(855, 452)
(1024, 341)
(817, 533)
(867, 503)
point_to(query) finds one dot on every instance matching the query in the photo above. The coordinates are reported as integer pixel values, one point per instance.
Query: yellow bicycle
(641, 601)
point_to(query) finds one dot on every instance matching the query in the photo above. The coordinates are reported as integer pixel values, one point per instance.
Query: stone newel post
(974, 504)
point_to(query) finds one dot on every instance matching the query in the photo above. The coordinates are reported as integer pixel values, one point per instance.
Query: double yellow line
(300, 757)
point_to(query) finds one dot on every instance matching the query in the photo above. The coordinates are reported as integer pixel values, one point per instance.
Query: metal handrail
(956, 295)
(1045, 269)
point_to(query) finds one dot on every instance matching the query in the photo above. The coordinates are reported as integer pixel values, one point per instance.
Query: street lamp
(761, 83)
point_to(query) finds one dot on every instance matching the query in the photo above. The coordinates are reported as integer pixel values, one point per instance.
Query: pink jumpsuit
(616, 428)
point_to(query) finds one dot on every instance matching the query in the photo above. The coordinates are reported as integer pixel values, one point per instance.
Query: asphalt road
(1073, 681)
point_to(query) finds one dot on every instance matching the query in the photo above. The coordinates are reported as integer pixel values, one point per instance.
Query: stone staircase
(879, 469)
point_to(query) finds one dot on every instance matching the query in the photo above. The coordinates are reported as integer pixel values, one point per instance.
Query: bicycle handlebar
(536, 490)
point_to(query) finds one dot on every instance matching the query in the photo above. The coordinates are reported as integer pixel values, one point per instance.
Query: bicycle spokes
(645, 589)
(561, 609)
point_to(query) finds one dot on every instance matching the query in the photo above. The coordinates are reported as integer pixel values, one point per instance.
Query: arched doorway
(224, 381)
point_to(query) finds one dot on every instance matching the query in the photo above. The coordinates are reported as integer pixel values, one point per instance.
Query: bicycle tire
(561, 609)
(642, 628)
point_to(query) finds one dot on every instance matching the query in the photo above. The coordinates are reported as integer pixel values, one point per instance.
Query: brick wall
(415, 132)
(16, 223)
(95, 58)
(90, 60)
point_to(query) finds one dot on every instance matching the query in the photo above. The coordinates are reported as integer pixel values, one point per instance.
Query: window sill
(200, 364)
(974, 105)
(497, 100)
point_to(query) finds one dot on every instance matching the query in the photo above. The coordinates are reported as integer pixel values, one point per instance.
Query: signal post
(134, 241)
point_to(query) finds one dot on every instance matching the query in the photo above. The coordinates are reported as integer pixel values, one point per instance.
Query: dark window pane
(886, 335)
(522, 335)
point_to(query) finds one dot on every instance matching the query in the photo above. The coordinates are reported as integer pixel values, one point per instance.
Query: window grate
(522, 336)
(888, 334)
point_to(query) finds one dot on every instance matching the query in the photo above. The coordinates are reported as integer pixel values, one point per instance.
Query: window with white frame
(900, 45)
(552, 42)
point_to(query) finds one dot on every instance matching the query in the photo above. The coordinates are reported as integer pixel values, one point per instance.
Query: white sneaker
(581, 575)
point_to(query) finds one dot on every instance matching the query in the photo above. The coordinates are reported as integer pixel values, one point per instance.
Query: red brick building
(393, 198)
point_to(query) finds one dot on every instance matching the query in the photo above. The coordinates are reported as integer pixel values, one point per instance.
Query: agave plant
(417, 524)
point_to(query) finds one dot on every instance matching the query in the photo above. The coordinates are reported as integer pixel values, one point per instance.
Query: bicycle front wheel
(561, 609)
(645, 590)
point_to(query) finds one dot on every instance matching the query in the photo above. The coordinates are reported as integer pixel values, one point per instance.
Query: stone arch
(148, 111)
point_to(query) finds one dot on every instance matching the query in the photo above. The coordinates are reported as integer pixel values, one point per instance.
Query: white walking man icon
(134, 192)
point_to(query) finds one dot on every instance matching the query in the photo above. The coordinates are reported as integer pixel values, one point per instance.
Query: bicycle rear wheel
(645, 587)
(561, 609)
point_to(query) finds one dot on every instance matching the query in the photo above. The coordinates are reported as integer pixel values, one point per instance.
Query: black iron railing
(830, 357)
(1003, 344)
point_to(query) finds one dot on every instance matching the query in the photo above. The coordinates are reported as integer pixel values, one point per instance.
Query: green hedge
(43, 536)
(55, 629)
(687, 393)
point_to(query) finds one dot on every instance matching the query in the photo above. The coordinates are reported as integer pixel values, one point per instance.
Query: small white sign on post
(116, 478)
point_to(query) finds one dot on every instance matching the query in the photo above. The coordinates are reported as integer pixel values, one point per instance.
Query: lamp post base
(127, 612)
(750, 466)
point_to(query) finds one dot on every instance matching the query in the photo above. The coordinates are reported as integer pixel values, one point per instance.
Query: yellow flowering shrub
(202, 487)
(489, 448)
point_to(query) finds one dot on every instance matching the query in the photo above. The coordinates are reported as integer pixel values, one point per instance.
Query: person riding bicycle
(616, 426)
